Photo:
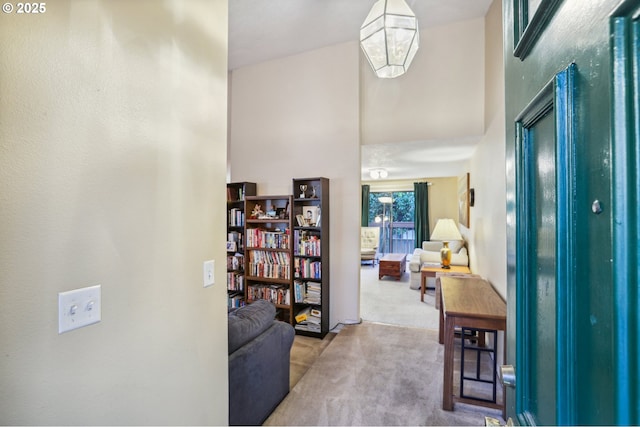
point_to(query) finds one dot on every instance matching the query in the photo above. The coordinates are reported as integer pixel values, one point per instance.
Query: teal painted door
(571, 76)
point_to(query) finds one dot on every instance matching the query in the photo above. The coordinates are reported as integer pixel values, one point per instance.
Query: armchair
(369, 241)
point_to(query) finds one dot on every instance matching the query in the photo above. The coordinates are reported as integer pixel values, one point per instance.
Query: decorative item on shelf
(378, 173)
(313, 192)
(389, 37)
(303, 188)
(446, 231)
(311, 215)
(257, 211)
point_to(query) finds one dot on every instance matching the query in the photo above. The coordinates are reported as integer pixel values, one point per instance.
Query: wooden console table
(393, 265)
(427, 271)
(467, 303)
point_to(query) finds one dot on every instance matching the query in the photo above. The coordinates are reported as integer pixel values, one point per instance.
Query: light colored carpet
(375, 374)
(393, 302)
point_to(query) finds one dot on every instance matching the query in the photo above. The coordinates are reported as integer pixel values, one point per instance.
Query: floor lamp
(385, 200)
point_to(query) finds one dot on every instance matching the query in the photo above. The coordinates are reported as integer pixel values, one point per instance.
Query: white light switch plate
(209, 272)
(78, 308)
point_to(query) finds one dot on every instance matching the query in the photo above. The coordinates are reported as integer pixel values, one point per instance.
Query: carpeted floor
(393, 302)
(375, 374)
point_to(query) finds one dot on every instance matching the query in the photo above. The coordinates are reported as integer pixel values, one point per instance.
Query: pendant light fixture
(389, 37)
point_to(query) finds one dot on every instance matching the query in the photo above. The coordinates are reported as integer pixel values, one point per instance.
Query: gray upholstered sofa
(259, 356)
(429, 254)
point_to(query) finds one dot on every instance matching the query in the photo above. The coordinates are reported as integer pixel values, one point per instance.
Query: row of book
(235, 262)
(268, 257)
(307, 292)
(234, 194)
(306, 268)
(309, 319)
(235, 281)
(235, 300)
(236, 217)
(270, 271)
(276, 294)
(307, 247)
(259, 238)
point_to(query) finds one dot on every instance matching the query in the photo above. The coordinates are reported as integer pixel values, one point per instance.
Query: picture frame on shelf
(231, 246)
(300, 219)
(311, 213)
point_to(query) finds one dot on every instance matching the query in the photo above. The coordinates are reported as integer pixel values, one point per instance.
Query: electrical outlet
(209, 273)
(79, 307)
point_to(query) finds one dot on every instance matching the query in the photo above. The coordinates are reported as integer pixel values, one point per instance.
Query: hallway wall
(112, 172)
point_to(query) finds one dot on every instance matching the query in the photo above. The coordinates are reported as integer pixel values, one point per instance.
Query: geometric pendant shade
(389, 37)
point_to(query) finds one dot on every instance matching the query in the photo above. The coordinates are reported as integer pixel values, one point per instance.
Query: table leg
(441, 324)
(447, 383)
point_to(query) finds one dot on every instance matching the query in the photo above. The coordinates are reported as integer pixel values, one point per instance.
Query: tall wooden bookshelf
(268, 252)
(236, 193)
(311, 256)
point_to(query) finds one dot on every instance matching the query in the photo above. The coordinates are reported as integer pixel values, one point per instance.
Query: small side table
(393, 265)
(431, 272)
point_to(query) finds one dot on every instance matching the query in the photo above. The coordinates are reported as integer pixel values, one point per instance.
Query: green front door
(572, 230)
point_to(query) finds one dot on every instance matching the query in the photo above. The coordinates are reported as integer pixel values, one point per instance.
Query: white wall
(441, 96)
(112, 172)
(298, 117)
(487, 234)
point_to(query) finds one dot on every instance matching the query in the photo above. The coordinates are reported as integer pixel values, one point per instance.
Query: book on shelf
(309, 319)
(307, 268)
(307, 292)
(236, 217)
(235, 262)
(235, 194)
(276, 294)
(235, 281)
(307, 245)
(274, 265)
(235, 300)
(260, 238)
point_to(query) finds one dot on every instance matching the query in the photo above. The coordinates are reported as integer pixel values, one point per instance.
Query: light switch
(78, 308)
(209, 267)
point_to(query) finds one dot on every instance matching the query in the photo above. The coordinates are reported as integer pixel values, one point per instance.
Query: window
(396, 220)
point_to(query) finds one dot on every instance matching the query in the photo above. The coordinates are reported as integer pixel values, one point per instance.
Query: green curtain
(421, 194)
(364, 218)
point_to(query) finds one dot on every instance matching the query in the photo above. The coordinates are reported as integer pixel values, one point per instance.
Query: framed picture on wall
(463, 200)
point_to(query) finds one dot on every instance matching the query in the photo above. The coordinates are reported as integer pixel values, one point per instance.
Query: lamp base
(445, 256)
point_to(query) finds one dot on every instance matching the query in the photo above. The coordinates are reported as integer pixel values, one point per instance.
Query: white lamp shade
(389, 37)
(446, 231)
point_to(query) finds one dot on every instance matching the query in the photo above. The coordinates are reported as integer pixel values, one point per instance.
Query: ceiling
(261, 30)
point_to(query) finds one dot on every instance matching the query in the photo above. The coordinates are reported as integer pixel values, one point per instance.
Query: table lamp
(446, 230)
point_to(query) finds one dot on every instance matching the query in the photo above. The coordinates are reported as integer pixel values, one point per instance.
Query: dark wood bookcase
(269, 252)
(236, 193)
(310, 215)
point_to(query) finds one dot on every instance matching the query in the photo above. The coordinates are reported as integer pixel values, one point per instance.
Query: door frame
(625, 40)
(558, 96)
